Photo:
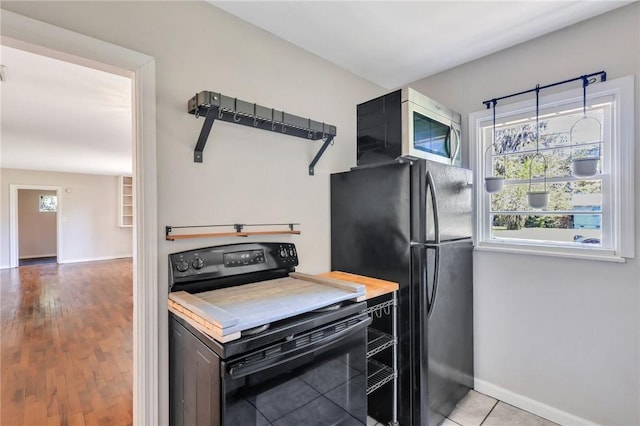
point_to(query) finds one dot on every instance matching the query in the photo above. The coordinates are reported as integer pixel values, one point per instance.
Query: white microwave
(430, 130)
(406, 123)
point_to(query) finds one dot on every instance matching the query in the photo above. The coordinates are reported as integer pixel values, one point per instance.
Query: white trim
(39, 256)
(14, 248)
(622, 158)
(531, 405)
(96, 259)
(5, 267)
(540, 251)
(26, 33)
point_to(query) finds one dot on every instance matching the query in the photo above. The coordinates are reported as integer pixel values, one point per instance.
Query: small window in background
(48, 203)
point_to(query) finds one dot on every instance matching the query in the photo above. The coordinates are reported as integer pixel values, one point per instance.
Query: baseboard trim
(531, 405)
(95, 259)
(39, 256)
(5, 267)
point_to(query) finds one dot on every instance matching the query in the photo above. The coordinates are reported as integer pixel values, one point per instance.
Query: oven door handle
(245, 369)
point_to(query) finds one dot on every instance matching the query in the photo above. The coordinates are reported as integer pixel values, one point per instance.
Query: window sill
(549, 251)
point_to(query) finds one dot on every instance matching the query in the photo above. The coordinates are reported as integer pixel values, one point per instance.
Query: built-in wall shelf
(213, 105)
(125, 201)
(189, 232)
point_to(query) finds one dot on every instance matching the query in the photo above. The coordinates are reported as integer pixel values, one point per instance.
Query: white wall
(248, 175)
(89, 212)
(36, 230)
(558, 336)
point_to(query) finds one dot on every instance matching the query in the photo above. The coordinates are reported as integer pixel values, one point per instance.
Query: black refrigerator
(410, 222)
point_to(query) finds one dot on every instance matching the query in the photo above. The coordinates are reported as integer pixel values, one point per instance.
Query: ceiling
(393, 43)
(64, 117)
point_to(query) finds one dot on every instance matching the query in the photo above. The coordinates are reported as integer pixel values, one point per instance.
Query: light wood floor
(66, 339)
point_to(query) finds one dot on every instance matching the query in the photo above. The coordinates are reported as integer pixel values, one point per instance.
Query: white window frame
(621, 172)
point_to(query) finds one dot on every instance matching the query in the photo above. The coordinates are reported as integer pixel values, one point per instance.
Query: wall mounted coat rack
(213, 105)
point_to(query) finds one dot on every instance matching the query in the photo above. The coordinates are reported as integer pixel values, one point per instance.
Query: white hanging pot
(584, 166)
(493, 184)
(538, 199)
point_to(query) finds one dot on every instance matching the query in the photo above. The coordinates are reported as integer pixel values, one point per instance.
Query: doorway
(14, 192)
(38, 37)
(37, 226)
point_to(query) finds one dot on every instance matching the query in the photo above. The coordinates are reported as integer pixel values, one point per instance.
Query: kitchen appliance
(307, 368)
(406, 123)
(410, 222)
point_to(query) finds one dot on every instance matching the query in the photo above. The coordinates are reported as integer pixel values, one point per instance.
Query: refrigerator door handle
(455, 135)
(436, 278)
(434, 205)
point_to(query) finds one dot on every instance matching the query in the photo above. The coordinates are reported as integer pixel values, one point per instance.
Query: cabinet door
(379, 129)
(194, 380)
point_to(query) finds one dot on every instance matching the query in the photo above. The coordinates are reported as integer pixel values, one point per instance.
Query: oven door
(315, 378)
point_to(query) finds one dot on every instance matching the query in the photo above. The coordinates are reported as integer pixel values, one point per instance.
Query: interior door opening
(37, 226)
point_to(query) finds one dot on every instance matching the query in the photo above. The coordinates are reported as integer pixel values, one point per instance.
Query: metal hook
(537, 117)
(585, 83)
(220, 113)
(235, 117)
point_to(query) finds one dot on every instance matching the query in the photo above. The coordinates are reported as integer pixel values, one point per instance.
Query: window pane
(48, 203)
(562, 136)
(516, 166)
(574, 213)
(580, 230)
(555, 130)
(582, 195)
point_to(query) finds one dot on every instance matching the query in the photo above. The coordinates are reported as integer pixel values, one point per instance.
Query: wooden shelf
(239, 231)
(125, 202)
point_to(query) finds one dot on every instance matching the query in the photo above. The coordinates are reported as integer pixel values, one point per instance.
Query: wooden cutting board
(225, 313)
(374, 287)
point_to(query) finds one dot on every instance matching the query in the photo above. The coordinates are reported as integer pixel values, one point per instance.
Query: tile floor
(478, 409)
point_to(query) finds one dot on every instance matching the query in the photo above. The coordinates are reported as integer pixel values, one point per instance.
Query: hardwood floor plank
(66, 344)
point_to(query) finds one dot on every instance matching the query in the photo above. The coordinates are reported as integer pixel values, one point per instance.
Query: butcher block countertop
(224, 313)
(373, 286)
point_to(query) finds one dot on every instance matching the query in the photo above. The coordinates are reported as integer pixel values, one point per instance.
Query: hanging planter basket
(538, 199)
(585, 166)
(492, 184)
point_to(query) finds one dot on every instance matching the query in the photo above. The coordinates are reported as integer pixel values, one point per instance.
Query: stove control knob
(283, 253)
(182, 266)
(197, 263)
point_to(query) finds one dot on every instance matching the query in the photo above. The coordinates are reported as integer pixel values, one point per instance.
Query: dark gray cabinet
(194, 380)
(379, 129)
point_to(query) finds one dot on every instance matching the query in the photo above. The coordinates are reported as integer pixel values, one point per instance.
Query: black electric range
(305, 369)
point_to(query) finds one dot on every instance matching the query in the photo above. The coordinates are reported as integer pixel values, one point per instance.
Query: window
(585, 217)
(48, 203)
